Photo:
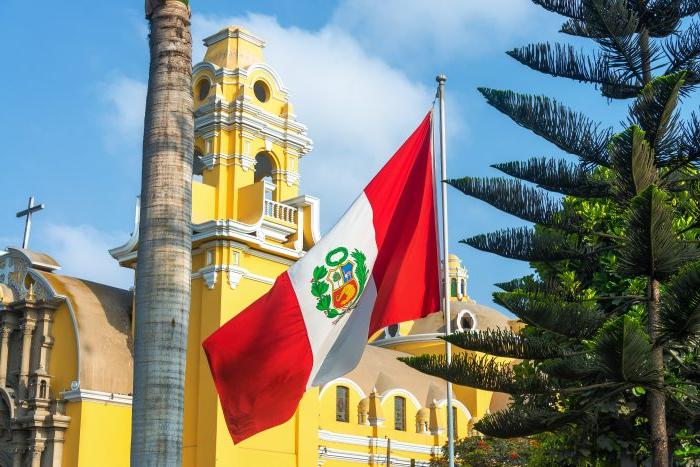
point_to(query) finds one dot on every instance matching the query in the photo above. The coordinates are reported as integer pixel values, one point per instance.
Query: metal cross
(31, 208)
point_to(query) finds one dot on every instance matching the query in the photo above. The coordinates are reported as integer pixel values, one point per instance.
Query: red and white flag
(378, 266)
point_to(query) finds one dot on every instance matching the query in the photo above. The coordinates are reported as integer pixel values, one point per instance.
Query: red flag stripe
(406, 271)
(257, 353)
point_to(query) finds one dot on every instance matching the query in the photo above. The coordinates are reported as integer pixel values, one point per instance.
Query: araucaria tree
(613, 315)
(165, 231)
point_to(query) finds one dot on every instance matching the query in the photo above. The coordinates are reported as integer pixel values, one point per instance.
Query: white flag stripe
(355, 230)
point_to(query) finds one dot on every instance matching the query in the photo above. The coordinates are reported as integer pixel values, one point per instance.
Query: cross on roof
(31, 208)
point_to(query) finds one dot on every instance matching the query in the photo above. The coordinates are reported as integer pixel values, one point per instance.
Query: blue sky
(360, 73)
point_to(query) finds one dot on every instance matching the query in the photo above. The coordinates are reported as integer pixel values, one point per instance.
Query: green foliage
(629, 225)
(506, 343)
(477, 372)
(524, 245)
(680, 310)
(486, 451)
(556, 175)
(568, 130)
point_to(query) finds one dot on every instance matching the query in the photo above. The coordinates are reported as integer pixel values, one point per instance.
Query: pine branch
(525, 245)
(556, 175)
(689, 8)
(623, 352)
(484, 372)
(652, 248)
(524, 420)
(655, 112)
(516, 198)
(680, 308)
(570, 319)
(568, 8)
(505, 343)
(570, 131)
(661, 17)
(565, 61)
(612, 25)
(575, 368)
(683, 50)
(633, 163)
(690, 141)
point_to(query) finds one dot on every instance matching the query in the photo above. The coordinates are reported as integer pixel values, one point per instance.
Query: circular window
(262, 92)
(466, 322)
(203, 88)
(393, 330)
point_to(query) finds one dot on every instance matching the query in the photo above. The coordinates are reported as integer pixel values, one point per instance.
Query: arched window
(393, 330)
(263, 166)
(42, 390)
(453, 287)
(342, 404)
(400, 413)
(464, 287)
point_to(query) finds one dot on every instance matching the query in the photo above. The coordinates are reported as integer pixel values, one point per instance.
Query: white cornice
(371, 441)
(230, 33)
(390, 341)
(77, 395)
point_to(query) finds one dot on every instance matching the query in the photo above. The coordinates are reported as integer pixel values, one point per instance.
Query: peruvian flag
(378, 266)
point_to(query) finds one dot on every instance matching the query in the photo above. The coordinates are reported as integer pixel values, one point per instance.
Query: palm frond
(570, 319)
(514, 197)
(524, 420)
(652, 248)
(570, 131)
(525, 244)
(680, 308)
(623, 351)
(483, 372)
(506, 343)
(556, 175)
(632, 159)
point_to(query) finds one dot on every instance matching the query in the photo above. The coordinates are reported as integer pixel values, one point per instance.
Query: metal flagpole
(445, 263)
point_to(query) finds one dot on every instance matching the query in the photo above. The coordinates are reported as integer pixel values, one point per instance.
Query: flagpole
(445, 263)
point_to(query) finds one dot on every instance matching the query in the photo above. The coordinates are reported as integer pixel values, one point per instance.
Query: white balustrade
(280, 211)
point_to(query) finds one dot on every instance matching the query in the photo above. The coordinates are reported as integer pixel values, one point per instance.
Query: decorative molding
(391, 341)
(400, 392)
(234, 277)
(245, 116)
(240, 160)
(374, 442)
(290, 177)
(342, 381)
(230, 33)
(455, 402)
(79, 395)
(209, 278)
(235, 274)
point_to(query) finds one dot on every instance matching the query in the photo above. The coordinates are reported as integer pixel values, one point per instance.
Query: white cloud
(358, 108)
(82, 252)
(434, 29)
(124, 101)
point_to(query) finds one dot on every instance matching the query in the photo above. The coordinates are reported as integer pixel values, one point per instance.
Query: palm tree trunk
(657, 400)
(164, 250)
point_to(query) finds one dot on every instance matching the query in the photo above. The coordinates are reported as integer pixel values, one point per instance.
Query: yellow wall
(99, 434)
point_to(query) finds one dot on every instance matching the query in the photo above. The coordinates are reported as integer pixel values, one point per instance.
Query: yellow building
(66, 343)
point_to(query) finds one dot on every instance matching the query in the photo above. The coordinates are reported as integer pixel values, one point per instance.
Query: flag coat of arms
(376, 267)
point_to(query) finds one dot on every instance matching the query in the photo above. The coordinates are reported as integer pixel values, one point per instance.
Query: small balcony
(280, 212)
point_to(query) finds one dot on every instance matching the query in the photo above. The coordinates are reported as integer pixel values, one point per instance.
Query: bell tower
(249, 225)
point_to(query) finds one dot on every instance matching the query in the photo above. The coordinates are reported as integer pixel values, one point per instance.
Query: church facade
(66, 343)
